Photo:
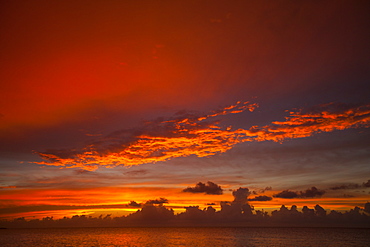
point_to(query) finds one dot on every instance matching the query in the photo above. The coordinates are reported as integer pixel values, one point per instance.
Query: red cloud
(325, 118)
(201, 136)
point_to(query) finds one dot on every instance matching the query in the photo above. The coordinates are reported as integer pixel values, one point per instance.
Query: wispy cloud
(323, 118)
(202, 135)
(160, 140)
(351, 186)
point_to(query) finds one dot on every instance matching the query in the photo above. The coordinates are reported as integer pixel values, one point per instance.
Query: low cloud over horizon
(235, 213)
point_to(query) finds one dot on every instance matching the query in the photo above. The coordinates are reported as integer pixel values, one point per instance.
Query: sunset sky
(106, 105)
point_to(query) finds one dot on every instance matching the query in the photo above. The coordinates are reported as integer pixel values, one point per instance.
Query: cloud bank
(235, 213)
(202, 135)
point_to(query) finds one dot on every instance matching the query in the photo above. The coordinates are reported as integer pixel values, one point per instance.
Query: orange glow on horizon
(39, 203)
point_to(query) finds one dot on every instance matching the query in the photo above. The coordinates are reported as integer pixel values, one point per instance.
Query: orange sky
(142, 100)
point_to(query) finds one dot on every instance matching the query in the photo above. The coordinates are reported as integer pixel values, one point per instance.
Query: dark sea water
(186, 237)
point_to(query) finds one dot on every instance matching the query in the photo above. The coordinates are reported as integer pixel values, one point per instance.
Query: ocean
(223, 236)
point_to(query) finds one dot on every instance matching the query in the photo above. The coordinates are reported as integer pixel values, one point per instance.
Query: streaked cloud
(8, 187)
(323, 118)
(260, 199)
(350, 186)
(184, 135)
(202, 135)
(309, 193)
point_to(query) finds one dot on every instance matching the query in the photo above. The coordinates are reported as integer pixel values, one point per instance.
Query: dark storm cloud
(209, 188)
(260, 199)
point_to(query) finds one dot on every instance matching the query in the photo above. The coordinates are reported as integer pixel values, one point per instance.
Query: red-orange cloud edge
(203, 136)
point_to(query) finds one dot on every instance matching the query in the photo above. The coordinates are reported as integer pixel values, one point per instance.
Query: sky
(108, 105)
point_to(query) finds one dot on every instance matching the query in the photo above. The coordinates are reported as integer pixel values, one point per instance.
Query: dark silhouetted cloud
(312, 192)
(260, 199)
(286, 194)
(157, 201)
(241, 195)
(210, 188)
(134, 204)
(350, 186)
(345, 187)
(231, 214)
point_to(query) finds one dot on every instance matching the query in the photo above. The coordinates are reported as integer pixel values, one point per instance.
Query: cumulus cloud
(313, 192)
(241, 195)
(260, 199)
(202, 135)
(210, 188)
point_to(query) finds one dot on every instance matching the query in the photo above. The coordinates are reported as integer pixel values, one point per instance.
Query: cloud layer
(235, 213)
(309, 193)
(192, 134)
